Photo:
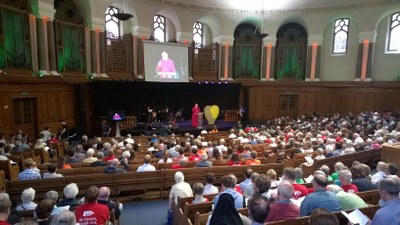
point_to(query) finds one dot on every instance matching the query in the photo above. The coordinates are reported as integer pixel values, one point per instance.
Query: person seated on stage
(253, 160)
(214, 129)
(146, 165)
(204, 162)
(198, 189)
(194, 156)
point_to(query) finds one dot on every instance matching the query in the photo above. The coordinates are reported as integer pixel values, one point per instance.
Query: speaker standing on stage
(195, 115)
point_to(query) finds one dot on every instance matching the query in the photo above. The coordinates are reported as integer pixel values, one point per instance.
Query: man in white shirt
(146, 166)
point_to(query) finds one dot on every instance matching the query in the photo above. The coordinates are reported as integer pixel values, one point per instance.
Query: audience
(321, 198)
(52, 172)
(29, 173)
(146, 165)
(43, 211)
(104, 199)
(27, 197)
(228, 183)
(179, 189)
(347, 200)
(247, 174)
(389, 189)
(70, 193)
(283, 208)
(259, 209)
(198, 189)
(92, 212)
(345, 178)
(225, 212)
(300, 191)
(209, 188)
(5, 208)
(322, 216)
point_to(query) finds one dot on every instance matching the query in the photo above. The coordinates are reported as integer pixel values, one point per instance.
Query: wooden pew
(11, 170)
(2, 181)
(370, 197)
(41, 186)
(189, 210)
(139, 184)
(368, 157)
(201, 219)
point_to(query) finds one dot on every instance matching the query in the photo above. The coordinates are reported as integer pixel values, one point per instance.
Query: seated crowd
(267, 196)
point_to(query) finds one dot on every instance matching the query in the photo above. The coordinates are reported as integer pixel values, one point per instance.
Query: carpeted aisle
(143, 213)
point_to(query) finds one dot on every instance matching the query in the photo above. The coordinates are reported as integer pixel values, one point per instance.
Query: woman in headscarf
(225, 212)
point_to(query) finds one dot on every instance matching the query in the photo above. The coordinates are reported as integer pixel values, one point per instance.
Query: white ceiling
(269, 4)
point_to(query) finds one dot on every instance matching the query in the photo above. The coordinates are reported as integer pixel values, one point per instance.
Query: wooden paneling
(54, 102)
(324, 98)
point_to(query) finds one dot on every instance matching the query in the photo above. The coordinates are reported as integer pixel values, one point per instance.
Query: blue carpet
(143, 213)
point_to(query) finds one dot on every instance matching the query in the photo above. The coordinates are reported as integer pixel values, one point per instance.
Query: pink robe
(195, 116)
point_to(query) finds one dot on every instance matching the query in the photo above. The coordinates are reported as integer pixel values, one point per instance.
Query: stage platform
(182, 127)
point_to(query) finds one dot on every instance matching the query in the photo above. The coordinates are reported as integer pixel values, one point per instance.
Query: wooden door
(288, 105)
(25, 116)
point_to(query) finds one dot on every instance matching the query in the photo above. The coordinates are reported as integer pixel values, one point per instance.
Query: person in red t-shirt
(194, 156)
(345, 178)
(92, 212)
(299, 189)
(235, 160)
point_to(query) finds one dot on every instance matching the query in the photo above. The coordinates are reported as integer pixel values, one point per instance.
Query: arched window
(393, 45)
(159, 28)
(198, 35)
(340, 36)
(112, 24)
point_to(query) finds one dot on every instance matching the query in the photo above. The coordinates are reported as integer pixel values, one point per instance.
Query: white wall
(220, 26)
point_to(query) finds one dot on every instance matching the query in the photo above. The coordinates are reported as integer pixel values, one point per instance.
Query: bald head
(320, 181)
(104, 193)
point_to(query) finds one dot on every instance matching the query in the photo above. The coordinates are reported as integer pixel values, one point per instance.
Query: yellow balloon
(214, 111)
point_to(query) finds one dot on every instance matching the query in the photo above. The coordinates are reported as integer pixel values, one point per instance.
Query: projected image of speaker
(166, 62)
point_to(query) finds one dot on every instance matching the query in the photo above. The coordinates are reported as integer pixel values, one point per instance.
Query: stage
(181, 128)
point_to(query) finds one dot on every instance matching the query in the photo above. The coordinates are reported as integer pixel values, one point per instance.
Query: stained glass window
(198, 35)
(112, 24)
